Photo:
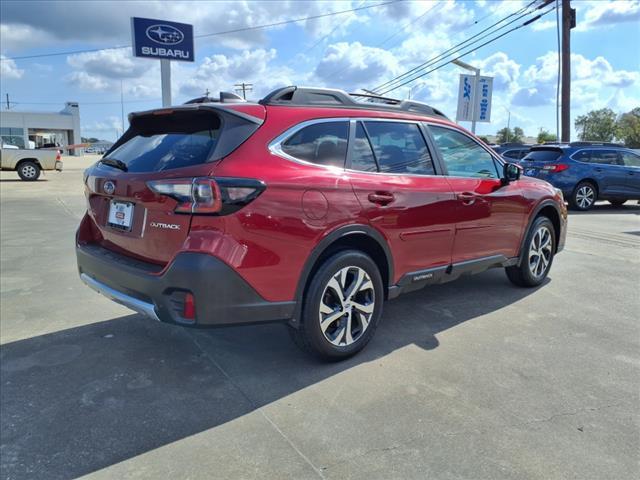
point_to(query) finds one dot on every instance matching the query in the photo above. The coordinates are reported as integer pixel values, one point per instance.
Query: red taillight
(558, 167)
(189, 308)
(194, 195)
(206, 195)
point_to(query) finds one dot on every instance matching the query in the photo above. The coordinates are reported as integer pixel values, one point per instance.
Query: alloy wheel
(29, 171)
(585, 196)
(540, 252)
(346, 306)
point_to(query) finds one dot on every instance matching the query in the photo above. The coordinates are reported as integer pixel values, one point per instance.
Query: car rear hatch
(540, 160)
(141, 193)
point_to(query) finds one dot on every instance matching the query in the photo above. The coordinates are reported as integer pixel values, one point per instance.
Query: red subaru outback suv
(311, 207)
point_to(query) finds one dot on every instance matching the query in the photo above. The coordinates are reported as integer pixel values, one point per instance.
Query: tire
(29, 171)
(618, 202)
(325, 333)
(534, 267)
(584, 196)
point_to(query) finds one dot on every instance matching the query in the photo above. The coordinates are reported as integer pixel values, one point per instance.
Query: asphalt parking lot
(474, 379)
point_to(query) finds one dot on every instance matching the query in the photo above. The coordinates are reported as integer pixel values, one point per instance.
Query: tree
(504, 135)
(597, 125)
(518, 135)
(546, 137)
(485, 139)
(628, 128)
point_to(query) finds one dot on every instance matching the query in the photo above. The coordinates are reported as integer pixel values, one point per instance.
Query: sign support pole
(165, 77)
(474, 104)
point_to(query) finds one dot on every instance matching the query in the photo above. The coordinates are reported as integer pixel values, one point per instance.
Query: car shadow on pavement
(82, 399)
(631, 207)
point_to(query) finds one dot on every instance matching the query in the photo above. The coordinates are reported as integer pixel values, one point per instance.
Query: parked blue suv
(587, 171)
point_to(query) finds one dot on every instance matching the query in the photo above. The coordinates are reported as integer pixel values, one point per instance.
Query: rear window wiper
(114, 162)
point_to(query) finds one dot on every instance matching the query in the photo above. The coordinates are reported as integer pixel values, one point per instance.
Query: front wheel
(537, 256)
(341, 307)
(29, 171)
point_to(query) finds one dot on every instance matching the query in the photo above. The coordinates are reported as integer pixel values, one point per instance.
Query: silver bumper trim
(143, 308)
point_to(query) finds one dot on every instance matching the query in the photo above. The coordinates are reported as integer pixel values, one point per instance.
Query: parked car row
(587, 171)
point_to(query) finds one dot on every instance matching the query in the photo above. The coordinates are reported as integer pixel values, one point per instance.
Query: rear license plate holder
(120, 215)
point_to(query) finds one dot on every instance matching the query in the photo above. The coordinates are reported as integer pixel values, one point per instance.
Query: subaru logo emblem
(109, 187)
(164, 34)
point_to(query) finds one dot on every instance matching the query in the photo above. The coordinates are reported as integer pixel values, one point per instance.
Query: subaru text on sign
(162, 39)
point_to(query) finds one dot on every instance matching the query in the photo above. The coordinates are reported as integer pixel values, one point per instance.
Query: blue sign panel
(162, 39)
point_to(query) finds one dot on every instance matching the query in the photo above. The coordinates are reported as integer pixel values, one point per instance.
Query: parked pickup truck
(29, 163)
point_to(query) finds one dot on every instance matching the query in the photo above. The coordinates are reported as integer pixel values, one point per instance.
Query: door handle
(381, 198)
(467, 198)
(599, 170)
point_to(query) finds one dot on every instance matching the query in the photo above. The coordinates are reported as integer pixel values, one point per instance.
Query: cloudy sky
(353, 50)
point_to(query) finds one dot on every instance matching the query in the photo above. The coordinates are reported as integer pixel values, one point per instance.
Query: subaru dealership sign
(162, 39)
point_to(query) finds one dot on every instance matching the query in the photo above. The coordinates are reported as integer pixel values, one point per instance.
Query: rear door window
(399, 148)
(323, 143)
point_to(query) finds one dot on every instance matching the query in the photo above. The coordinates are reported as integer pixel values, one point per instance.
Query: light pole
(508, 122)
(474, 100)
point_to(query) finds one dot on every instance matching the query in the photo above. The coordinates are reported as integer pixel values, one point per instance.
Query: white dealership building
(38, 129)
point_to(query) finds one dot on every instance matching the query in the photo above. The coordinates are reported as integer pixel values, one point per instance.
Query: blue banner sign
(162, 39)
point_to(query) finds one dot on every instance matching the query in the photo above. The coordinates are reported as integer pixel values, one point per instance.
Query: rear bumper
(222, 297)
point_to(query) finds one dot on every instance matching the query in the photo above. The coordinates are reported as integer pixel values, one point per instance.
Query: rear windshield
(164, 142)
(547, 155)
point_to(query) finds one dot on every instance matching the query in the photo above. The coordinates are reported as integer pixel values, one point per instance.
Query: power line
(225, 32)
(460, 45)
(524, 24)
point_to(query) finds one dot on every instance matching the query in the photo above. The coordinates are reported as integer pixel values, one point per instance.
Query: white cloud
(606, 13)
(353, 65)
(109, 125)
(9, 69)
(588, 79)
(112, 63)
(544, 25)
(220, 73)
(101, 23)
(85, 81)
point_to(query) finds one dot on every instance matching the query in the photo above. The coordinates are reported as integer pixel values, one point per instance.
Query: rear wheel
(584, 196)
(537, 257)
(618, 202)
(341, 307)
(29, 171)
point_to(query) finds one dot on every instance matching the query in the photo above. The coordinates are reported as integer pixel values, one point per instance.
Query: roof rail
(329, 97)
(595, 144)
(225, 97)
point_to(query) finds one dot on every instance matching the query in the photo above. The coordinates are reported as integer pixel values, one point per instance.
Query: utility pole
(8, 106)
(568, 22)
(245, 87)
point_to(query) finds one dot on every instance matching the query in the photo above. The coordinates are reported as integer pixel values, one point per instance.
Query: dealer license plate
(120, 215)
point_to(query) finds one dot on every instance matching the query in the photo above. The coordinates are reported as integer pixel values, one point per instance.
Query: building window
(12, 136)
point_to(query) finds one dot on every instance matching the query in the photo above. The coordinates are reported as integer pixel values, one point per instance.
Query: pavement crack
(255, 406)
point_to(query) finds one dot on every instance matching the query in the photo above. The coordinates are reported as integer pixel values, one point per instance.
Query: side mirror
(511, 172)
